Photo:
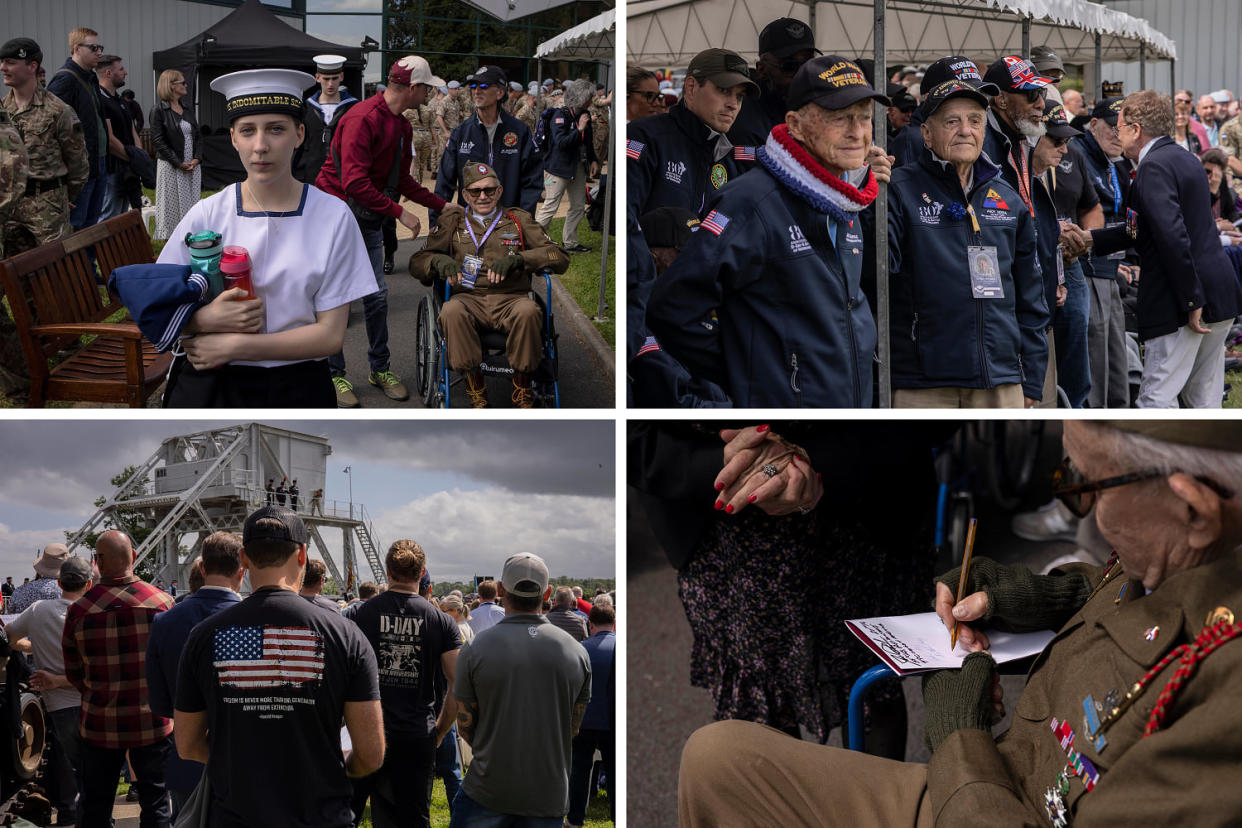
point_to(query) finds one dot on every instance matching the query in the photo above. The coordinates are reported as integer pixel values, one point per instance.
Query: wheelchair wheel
(26, 751)
(428, 375)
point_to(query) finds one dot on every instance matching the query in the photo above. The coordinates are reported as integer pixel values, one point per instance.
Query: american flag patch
(249, 657)
(743, 153)
(715, 223)
(649, 345)
(633, 149)
(560, 120)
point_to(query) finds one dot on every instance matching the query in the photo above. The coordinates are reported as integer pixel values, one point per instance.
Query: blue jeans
(1070, 329)
(469, 814)
(65, 767)
(448, 766)
(585, 745)
(374, 311)
(114, 201)
(101, 768)
(90, 201)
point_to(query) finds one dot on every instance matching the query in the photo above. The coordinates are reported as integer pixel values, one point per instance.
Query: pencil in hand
(965, 574)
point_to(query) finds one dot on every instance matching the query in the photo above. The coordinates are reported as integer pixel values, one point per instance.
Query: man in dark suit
(1188, 295)
(223, 573)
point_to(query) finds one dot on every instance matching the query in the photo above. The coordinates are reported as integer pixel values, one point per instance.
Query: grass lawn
(582, 278)
(1234, 400)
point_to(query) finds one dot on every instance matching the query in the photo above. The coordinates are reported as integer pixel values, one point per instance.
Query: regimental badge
(719, 176)
(510, 139)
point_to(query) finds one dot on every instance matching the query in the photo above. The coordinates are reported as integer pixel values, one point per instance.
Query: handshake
(1074, 240)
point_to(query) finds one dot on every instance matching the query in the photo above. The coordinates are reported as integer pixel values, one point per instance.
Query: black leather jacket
(166, 133)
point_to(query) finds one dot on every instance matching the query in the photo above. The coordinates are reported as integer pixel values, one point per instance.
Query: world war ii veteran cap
(956, 67)
(1107, 109)
(291, 527)
(833, 82)
(785, 37)
(724, 68)
(21, 48)
(1056, 119)
(476, 171)
(261, 91)
(948, 90)
(525, 576)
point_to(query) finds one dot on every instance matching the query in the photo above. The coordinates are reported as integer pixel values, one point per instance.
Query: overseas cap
(22, 48)
(525, 576)
(1057, 121)
(1107, 109)
(1219, 435)
(291, 526)
(329, 64)
(413, 69)
(476, 171)
(724, 68)
(1015, 74)
(831, 81)
(256, 91)
(785, 37)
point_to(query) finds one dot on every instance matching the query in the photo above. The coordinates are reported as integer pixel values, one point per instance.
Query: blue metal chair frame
(856, 727)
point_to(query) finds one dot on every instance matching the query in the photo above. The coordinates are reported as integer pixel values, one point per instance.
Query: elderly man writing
(778, 258)
(1128, 716)
(968, 307)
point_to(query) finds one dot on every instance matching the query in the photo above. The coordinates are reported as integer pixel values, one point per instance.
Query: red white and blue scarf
(793, 166)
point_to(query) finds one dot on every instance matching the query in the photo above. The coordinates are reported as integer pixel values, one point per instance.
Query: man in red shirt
(105, 647)
(368, 167)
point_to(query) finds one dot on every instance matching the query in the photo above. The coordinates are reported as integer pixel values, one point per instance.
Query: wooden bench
(55, 301)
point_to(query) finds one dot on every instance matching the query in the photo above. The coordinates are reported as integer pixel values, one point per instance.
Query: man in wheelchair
(487, 255)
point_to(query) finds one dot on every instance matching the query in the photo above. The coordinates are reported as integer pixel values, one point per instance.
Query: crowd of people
(73, 156)
(220, 707)
(1043, 249)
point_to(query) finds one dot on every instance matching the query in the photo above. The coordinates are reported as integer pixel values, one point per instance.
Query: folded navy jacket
(160, 298)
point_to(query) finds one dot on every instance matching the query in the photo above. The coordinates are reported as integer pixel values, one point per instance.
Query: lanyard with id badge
(472, 263)
(985, 280)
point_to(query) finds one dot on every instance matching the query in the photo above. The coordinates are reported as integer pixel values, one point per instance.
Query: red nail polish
(729, 509)
(719, 486)
(751, 499)
(761, 429)
(719, 505)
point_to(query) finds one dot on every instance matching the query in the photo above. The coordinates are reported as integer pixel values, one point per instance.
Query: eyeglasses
(1181, 100)
(94, 47)
(1079, 494)
(650, 97)
(485, 192)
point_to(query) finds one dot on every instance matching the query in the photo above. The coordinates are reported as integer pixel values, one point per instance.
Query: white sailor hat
(329, 64)
(257, 91)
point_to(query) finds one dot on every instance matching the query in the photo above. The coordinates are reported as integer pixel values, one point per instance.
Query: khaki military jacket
(52, 133)
(450, 237)
(1189, 773)
(14, 166)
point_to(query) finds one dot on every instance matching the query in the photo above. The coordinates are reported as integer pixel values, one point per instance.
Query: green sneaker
(344, 393)
(390, 384)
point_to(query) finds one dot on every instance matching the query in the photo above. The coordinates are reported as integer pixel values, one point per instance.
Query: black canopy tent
(251, 37)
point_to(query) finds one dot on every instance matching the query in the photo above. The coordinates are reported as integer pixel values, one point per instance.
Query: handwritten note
(919, 643)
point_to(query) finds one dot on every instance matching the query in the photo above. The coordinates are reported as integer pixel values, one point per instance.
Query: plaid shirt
(105, 644)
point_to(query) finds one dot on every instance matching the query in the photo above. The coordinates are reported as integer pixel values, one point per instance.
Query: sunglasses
(650, 97)
(1060, 142)
(485, 192)
(1033, 95)
(94, 47)
(1181, 100)
(1079, 494)
(479, 85)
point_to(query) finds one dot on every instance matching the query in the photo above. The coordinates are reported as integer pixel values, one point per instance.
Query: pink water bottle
(235, 266)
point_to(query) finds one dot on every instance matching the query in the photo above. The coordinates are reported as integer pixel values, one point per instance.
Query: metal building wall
(133, 29)
(1206, 33)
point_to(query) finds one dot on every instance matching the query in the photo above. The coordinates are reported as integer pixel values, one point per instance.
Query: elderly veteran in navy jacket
(968, 307)
(779, 256)
(1188, 296)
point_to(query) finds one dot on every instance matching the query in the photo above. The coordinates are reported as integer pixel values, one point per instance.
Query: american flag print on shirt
(250, 657)
(634, 149)
(715, 222)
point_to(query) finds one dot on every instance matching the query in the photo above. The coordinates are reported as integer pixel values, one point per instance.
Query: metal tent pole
(881, 221)
(1026, 37)
(1142, 65)
(606, 193)
(1099, 70)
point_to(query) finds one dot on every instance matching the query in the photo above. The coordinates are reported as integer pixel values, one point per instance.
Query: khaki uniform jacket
(14, 165)
(450, 237)
(1188, 773)
(52, 133)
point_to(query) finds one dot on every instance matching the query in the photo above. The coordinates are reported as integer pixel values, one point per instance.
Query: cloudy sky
(470, 493)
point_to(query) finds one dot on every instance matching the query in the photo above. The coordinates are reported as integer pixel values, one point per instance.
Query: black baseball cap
(1046, 60)
(957, 67)
(668, 227)
(1016, 74)
(833, 82)
(1107, 109)
(785, 37)
(291, 526)
(901, 97)
(724, 68)
(1056, 119)
(22, 48)
(489, 74)
(952, 89)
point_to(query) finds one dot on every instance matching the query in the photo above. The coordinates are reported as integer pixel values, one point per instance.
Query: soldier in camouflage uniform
(422, 141)
(448, 116)
(526, 111)
(599, 108)
(52, 134)
(14, 168)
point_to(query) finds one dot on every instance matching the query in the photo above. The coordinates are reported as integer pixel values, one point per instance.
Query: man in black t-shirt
(121, 131)
(415, 645)
(262, 690)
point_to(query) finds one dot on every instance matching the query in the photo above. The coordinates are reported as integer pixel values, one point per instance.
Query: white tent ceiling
(513, 9)
(668, 33)
(593, 39)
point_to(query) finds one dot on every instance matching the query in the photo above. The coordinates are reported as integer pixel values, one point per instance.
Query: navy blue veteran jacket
(1184, 266)
(1112, 190)
(569, 146)
(794, 328)
(511, 154)
(941, 335)
(673, 160)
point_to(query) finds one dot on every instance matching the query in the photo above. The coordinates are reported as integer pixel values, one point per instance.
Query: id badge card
(985, 281)
(1060, 264)
(470, 267)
